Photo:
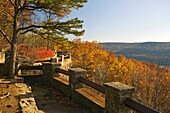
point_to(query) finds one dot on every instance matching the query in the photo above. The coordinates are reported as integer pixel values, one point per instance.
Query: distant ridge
(154, 52)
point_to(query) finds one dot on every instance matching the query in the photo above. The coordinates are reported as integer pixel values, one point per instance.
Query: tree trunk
(13, 54)
(48, 42)
(13, 51)
(12, 60)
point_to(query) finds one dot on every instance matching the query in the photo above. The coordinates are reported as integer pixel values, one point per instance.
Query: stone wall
(64, 58)
(3, 69)
(115, 92)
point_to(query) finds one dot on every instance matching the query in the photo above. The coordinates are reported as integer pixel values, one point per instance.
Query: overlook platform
(51, 101)
(47, 99)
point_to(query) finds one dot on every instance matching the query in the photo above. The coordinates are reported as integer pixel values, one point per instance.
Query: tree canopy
(20, 17)
(152, 83)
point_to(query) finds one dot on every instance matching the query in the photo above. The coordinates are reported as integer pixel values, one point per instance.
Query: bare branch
(22, 7)
(6, 37)
(3, 5)
(6, 10)
(11, 2)
(9, 13)
(2, 10)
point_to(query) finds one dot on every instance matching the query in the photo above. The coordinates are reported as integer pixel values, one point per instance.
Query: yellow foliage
(152, 82)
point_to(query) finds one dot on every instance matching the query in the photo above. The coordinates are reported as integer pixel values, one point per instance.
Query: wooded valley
(154, 52)
(135, 64)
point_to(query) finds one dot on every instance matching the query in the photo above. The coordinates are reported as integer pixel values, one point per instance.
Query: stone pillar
(2, 57)
(74, 74)
(17, 68)
(62, 60)
(115, 94)
(48, 73)
(54, 60)
(49, 69)
(3, 70)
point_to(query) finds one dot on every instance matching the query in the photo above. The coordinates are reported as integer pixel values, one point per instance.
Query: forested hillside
(154, 52)
(151, 82)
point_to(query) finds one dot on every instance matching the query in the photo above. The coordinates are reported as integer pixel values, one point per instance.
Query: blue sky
(125, 20)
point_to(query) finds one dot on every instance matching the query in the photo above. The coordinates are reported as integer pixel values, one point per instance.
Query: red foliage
(41, 53)
(3, 44)
(22, 48)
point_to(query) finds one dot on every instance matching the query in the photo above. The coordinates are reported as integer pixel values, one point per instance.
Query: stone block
(116, 93)
(49, 68)
(74, 74)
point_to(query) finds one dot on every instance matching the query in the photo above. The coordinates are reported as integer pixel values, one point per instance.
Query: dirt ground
(51, 101)
(9, 104)
(47, 99)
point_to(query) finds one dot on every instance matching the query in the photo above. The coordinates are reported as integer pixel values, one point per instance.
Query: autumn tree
(32, 8)
(152, 86)
(152, 83)
(91, 56)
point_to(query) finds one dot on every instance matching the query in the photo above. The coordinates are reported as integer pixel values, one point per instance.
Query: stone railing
(117, 97)
(63, 58)
(2, 57)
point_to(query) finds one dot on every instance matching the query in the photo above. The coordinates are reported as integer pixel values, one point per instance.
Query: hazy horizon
(138, 42)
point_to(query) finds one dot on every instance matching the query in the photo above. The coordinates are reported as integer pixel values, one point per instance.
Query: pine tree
(22, 12)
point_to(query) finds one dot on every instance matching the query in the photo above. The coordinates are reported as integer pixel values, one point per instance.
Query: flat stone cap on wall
(51, 63)
(119, 86)
(77, 70)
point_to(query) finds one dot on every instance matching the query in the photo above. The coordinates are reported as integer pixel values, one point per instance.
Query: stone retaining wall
(26, 99)
(3, 69)
(115, 92)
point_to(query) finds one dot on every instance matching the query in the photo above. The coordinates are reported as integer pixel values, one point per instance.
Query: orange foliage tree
(152, 83)
(86, 55)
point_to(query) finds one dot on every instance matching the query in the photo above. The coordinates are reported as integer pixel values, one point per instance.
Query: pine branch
(29, 30)
(36, 26)
(42, 35)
